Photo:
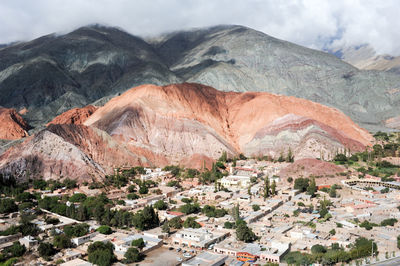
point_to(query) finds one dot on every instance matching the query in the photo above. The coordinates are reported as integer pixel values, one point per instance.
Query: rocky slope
(73, 151)
(185, 119)
(187, 124)
(74, 116)
(53, 74)
(12, 125)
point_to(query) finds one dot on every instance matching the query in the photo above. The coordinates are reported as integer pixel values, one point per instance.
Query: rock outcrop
(12, 125)
(74, 116)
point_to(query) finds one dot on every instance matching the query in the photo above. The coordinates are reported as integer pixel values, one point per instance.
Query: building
(28, 242)
(199, 238)
(123, 242)
(77, 262)
(206, 259)
(83, 239)
(235, 181)
(7, 241)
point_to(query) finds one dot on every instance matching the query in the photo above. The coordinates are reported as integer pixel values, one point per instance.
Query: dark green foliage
(189, 208)
(69, 183)
(46, 250)
(116, 180)
(229, 225)
(8, 206)
(139, 243)
(78, 197)
(244, 233)
(161, 205)
(104, 229)
(24, 196)
(301, 184)
(132, 196)
(146, 219)
(143, 189)
(51, 220)
(39, 184)
(256, 207)
(367, 225)
(312, 187)
(173, 183)
(16, 250)
(340, 158)
(175, 222)
(76, 230)
(212, 211)
(133, 255)
(318, 249)
(389, 222)
(101, 254)
(332, 232)
(175, 170)
(190, 222)
(62, 241)
(131, 188)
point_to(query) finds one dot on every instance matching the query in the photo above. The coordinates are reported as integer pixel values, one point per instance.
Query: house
(7, 241)
(123, 242)
(206, 259)
(72, 254)
(83, 239)
(77, 262)
(28, 242)
(199, 238)
(235, 181)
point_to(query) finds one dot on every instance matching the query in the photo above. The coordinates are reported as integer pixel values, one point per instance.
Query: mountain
(90, 65)
(186, 124)
(365, 57)
(12, 125)
(53, 74)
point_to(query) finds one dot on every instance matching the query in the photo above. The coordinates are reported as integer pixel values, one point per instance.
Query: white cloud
(312, 23)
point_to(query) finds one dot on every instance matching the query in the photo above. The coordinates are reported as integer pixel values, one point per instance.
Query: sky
(313, 23)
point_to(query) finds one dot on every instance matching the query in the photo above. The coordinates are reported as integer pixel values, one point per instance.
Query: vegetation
(133, 255)
(212, 211)
(46, 250)
(104, 229)
(244, 233)
(101, 254)
(139, 243)
(190, 222)
(161, 205)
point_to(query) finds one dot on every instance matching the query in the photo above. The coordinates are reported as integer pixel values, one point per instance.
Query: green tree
(332, 232)
(133, 255)
(312, 188)
(101, 254)
(46, 250)
(104, 229)
(266, 187)
(139, 243)
(62, 241)
(301, 184)
(161, 205)
(165, 228)
(175, 222)
(290, 157)
(8, 206)
(318, 249)
(244, 233)
(16, 250)
(273, 187)
(256, 207)
(78, 197)
(190, 222)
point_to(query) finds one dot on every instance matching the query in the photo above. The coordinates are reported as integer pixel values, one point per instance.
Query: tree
(7, 206)
(161, 205)
(332, 232)
(290, 157)
(340, 158)
(312, 188)
(318, 249)
(16, 250)
(133, 255)
(290, 179)
(104, 229)
(244, 233)
(132, 196)
(332, 192)
(82, 213)
(190, 222)
(266, 187)
(176, 223)
(78, 197)
(46, 250)
(229, 225)
(256, 207)
(139, 243)
(146, 219)
(273, 187)
(143, 189)
(165, 228)
(189, 208)
(101, 254)
(398, 241)
(301, 184)
(62, 241)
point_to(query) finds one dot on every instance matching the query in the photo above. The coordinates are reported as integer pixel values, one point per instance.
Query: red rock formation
(185, 119)
(12, 125)
(74, 116)
(311, 167)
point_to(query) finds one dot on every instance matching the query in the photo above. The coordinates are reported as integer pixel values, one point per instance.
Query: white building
(198, 238)
(235, 181)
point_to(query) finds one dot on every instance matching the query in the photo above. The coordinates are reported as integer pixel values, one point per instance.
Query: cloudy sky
(313, 23)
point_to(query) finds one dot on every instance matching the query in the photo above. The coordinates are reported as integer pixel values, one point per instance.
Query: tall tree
(273, 187)
(266, 187)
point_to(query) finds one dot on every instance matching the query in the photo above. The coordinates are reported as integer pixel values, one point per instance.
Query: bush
(62, 241)
(132, 196)
(139, 243)
(104, 229)
(46, 250)
(318, 249)
(133, 255)
(78, 197)
(190, 222)
(101, 254)
(161, 205)
(256, 207)
(175, 222)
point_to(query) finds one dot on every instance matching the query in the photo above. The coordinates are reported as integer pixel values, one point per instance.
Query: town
(243, 211)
